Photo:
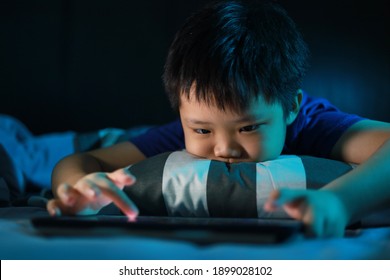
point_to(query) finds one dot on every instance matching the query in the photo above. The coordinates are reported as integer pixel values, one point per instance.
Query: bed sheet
(19, 240)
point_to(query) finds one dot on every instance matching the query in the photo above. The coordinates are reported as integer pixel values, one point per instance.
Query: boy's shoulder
(317, 128)
(311, 104)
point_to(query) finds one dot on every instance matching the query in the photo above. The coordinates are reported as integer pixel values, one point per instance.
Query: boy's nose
(226, 150)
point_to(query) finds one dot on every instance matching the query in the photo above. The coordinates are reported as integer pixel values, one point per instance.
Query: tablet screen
(198, 230)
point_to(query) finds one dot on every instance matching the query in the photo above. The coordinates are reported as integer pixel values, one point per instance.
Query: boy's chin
(232, 161)
(238, 160)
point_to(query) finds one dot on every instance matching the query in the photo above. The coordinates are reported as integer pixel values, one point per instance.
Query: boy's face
(257, 134)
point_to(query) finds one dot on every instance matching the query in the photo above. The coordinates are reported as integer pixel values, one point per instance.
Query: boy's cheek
(271, 151)
(263, 148)
(197, 149)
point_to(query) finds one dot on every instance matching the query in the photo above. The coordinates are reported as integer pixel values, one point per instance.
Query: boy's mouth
(233, 160)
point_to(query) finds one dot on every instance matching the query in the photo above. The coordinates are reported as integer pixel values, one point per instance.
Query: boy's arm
(72, 168)
(365, 189)
(361, 141)
(84, 183)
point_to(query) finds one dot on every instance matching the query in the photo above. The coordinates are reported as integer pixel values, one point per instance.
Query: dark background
(88, 64)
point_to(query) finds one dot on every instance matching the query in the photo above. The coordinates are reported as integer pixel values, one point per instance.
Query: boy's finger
(52, 208)
(315, 225)
(122, 178)
(126, 205)
(103, 191)
(87, 188)
(270, 204)
(121, 200)
(284, 196)
(66, 195)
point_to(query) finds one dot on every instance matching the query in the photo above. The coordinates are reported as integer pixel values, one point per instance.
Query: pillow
(179, 184)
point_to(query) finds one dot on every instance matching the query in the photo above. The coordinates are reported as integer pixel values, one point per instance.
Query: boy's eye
(202, 131)
(249, 128)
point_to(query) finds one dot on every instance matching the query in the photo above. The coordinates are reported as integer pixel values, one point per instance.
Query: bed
(20, 240)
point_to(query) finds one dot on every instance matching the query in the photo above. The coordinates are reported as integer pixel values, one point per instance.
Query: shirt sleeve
(317, 128)
(160, 139)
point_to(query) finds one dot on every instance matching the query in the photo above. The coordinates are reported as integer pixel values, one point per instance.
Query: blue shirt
(314, 132)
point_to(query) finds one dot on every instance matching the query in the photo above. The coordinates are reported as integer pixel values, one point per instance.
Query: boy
(234, 72)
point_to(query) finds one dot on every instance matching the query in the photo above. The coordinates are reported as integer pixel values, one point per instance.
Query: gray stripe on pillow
(184, 185)
(229, 187)
(284, 172)
(150, 202)
(320, 171)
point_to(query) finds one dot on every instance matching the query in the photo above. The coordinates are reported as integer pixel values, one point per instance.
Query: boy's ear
(296, 106)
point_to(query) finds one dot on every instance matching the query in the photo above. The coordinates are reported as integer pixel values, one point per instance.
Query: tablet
(198, 230)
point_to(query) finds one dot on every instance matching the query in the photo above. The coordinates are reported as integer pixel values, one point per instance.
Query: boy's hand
(321, 211)
(92, 192)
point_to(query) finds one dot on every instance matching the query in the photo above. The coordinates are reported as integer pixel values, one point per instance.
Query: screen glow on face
(257, 134)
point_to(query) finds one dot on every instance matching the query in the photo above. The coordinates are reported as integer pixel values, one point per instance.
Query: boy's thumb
(280, 197)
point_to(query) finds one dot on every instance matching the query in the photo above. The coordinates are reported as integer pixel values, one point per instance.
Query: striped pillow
(178, 184)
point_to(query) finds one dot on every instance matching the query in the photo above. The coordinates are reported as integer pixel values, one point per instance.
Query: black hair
(232, 51)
